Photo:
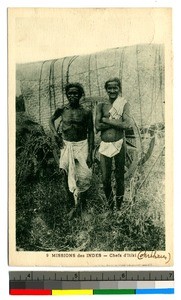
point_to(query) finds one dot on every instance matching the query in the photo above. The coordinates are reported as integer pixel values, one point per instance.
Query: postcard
(90, 137)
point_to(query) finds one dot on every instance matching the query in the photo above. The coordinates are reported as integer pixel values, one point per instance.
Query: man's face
(73, 96)
(113, 90)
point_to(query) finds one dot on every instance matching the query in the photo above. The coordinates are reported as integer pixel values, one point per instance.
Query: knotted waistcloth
(73, 158)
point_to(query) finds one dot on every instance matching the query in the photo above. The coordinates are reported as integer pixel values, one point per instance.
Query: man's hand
(104, 120)
(89, 160)
(57, 140)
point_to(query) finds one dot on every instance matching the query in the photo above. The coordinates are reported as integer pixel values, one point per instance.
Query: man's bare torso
(74, 124)
(111, 134)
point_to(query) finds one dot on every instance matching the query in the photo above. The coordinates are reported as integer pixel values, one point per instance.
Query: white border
(4, 269)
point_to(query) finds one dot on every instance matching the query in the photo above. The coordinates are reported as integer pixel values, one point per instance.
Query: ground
(42, 205)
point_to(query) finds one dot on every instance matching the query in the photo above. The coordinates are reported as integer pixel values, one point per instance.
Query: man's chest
(74, 116)
(105, 110)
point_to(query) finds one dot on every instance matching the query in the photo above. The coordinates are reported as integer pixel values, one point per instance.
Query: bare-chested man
(78, 142)
(112, 117)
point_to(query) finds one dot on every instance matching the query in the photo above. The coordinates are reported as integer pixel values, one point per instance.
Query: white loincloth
(110, 149)
(73, 160)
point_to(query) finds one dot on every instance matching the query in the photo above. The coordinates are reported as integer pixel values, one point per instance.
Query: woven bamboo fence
(140, 69)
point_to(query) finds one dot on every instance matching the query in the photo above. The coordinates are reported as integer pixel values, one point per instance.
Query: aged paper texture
(48, 48)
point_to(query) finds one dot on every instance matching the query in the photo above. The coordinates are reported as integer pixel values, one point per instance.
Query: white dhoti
(73, 160)
(110, 149)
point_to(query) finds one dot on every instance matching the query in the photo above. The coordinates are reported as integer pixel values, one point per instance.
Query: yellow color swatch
(71, 292)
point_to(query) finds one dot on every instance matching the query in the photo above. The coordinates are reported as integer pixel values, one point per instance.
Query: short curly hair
(116, 79)
(76, 85)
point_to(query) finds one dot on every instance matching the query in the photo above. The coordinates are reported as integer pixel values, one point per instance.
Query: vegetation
(42, 203)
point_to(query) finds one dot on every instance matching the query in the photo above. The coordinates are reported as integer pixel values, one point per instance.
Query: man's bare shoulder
(126, 107)
(86, 111)
(101, 104)
(59, 111)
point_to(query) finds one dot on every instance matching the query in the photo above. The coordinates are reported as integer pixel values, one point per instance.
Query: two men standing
(112, 117)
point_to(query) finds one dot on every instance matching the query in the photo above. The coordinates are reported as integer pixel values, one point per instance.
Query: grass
(42, 204)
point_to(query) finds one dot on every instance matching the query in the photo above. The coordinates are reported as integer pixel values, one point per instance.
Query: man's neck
(112, 100)
(75, 106)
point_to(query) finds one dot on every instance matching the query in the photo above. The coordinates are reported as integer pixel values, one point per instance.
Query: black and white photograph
(90, 153)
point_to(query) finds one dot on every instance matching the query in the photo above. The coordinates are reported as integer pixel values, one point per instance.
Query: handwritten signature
(154, 255)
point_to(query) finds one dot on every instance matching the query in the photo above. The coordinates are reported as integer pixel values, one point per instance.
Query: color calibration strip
(92, 292)
(92, 288)
(90, 283)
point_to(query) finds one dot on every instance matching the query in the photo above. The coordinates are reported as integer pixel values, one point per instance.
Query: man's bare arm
(55, 116)
(100, 126)
(90, 139)
(123, 123)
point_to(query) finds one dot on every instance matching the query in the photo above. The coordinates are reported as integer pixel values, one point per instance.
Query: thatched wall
(140, 68)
